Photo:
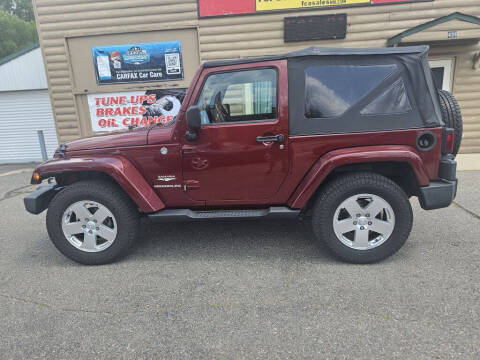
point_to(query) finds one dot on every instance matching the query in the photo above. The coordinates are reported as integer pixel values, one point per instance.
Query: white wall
(26, 72)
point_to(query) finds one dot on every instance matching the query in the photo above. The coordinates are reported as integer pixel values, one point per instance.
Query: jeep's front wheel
(362, 217)
(92, 222)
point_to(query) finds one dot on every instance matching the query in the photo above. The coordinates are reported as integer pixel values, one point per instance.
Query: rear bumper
(440, 194)
(39, 200)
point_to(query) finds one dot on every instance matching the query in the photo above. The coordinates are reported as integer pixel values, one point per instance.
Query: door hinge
(187, 150)
(191, 185)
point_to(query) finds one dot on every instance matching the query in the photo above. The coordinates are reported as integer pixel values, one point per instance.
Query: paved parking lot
(241, 290)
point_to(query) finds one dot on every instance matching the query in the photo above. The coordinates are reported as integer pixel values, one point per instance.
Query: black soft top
(323, 51)
(411, 83)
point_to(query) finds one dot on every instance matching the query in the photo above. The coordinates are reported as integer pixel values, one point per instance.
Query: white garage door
(22, 114)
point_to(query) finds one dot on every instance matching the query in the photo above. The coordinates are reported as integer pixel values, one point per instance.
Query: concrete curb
(468, 162)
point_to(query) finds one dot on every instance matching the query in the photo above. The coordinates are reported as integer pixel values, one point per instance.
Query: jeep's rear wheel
(92, 222)
(362, 217)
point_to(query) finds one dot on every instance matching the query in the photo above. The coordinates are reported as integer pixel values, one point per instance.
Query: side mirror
(194, 122)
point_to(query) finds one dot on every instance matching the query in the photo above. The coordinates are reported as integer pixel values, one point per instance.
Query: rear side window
(393, 100)
(330, 90)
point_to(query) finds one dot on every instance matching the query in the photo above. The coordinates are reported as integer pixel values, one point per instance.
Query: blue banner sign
(130, 63)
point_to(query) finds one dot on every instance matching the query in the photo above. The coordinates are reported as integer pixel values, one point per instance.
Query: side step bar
(187, 214)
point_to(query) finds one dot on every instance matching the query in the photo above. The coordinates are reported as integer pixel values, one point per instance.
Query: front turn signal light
(36, 176)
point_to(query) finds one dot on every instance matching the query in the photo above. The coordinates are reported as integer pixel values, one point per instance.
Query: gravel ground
(241, 290)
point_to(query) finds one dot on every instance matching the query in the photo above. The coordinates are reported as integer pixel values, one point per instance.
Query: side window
(239, 96)
(330, 90)
(393, 100)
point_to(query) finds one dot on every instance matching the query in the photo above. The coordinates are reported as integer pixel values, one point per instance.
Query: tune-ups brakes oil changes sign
(116, 111)
(143, 62)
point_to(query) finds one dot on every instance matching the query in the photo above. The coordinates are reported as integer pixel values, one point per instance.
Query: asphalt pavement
(241, 290)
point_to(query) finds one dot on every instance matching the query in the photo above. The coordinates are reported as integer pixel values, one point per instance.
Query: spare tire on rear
(451, 115)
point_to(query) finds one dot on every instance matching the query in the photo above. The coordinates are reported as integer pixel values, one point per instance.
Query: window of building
(330, 90)
(442, 71)
(249, 95)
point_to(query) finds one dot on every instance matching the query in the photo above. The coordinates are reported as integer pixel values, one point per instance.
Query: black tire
(112, 197)
(452, 116)
(342, 188)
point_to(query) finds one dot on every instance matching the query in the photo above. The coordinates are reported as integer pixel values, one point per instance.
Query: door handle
(271, 138)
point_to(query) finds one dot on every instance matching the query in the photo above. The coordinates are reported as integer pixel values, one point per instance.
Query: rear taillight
(448, 143)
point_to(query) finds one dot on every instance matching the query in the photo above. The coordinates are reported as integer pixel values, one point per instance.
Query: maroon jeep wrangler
(342, 137)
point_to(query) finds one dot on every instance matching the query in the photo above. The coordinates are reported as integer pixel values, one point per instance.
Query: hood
(123, 138)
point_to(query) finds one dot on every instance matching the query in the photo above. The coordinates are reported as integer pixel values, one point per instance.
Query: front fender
(364, 154)
(117, 167)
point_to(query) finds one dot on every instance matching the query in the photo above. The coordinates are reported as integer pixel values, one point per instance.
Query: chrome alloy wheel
(89, 226)
(364, 221)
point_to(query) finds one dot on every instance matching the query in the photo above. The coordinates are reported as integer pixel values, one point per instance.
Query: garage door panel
(22, 114)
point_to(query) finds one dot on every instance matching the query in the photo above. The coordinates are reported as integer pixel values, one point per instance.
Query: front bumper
(440, 194)
(39, 200)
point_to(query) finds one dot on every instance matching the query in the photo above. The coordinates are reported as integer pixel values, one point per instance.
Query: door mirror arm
(191, 135)
(194, 122)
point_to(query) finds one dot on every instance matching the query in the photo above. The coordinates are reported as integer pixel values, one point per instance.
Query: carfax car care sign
(116, 111)
(142, 62)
